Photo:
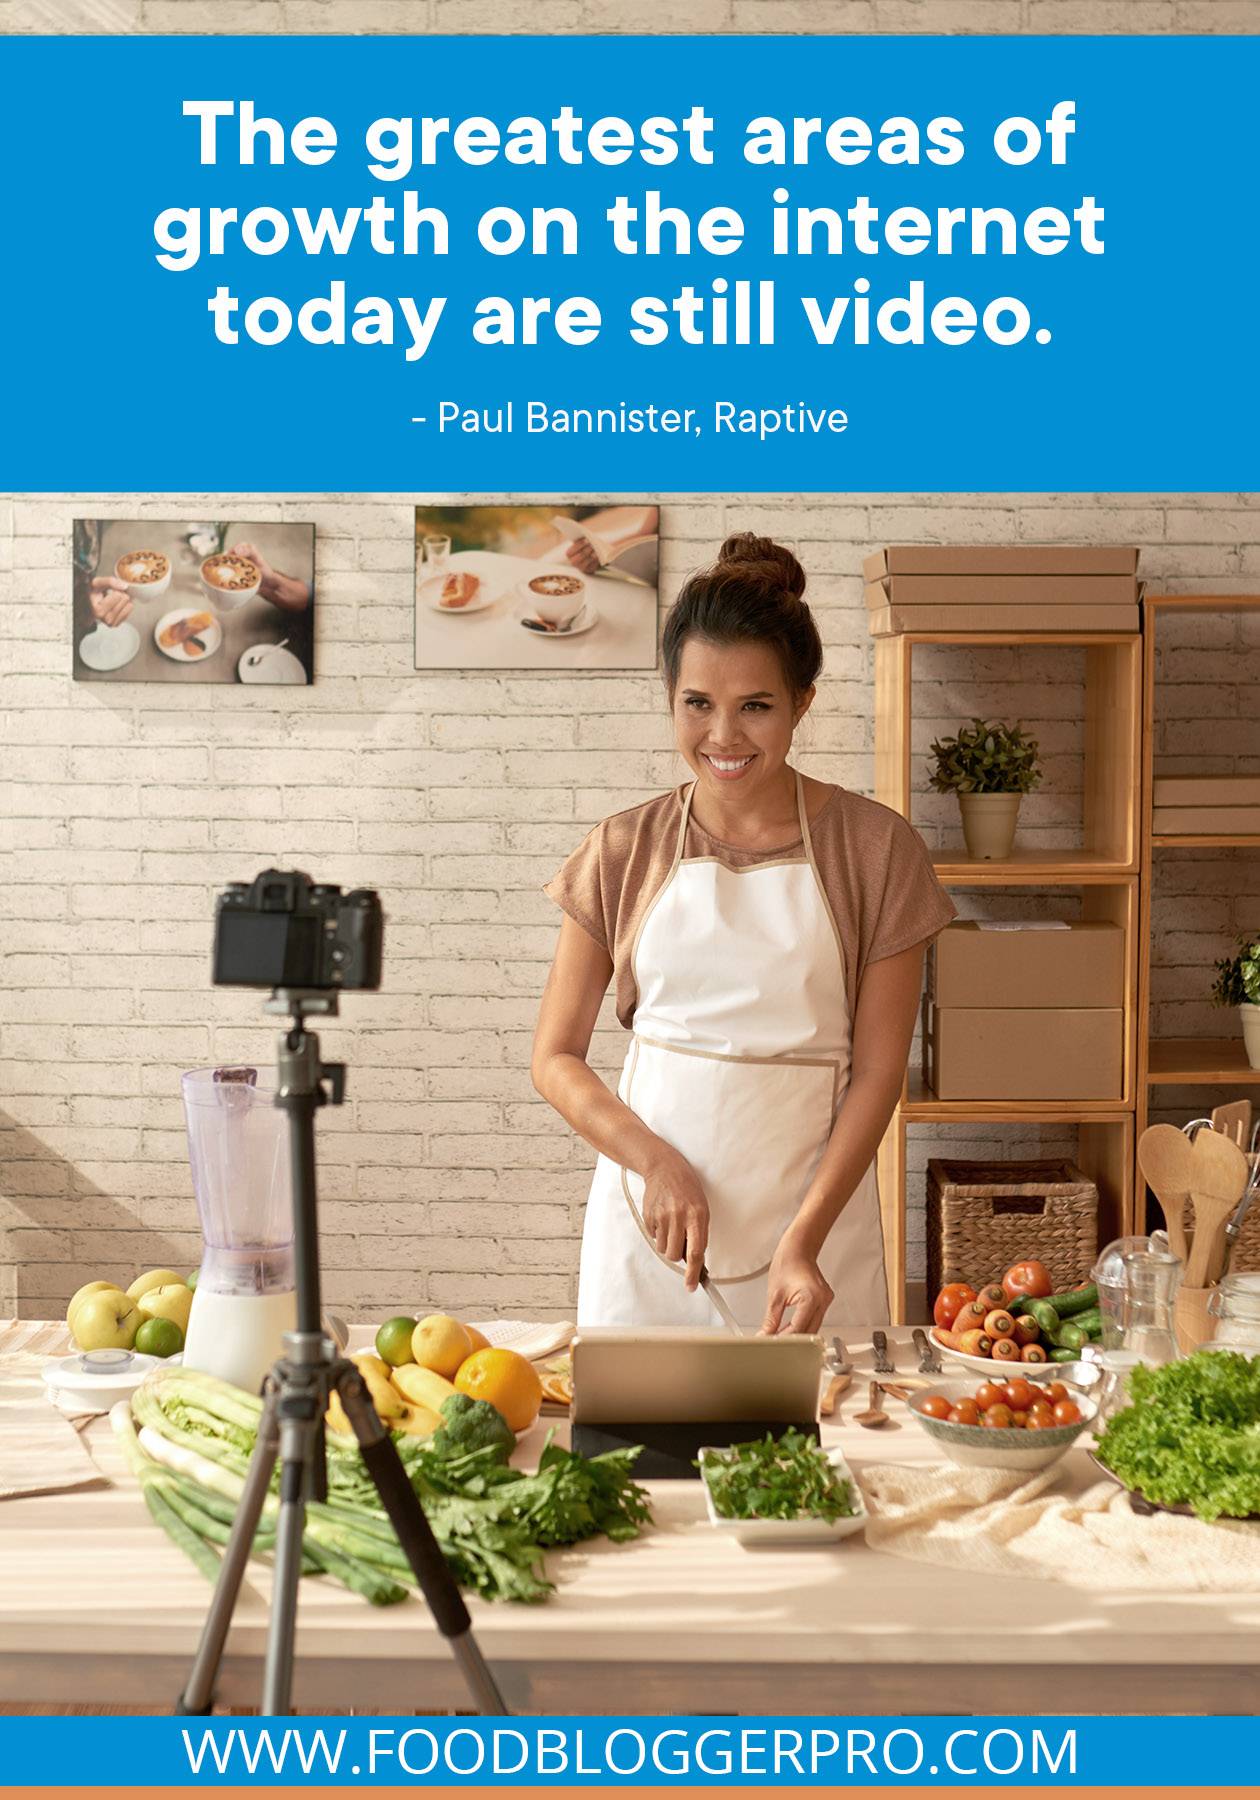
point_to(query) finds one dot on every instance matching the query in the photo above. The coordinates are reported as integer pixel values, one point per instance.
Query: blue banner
(1053, 1752)
(688, 264)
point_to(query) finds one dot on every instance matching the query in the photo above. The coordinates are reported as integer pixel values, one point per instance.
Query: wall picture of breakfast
(537, 587)
(183, 600)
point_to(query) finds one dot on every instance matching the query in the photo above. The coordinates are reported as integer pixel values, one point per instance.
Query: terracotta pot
(1250, 1016)
(988, 822)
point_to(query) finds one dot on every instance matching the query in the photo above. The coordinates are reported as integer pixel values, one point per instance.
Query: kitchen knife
(719, 1301)
(929, 1361)
(883, 1363)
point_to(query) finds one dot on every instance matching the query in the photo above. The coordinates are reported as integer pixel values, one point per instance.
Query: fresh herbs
(787, 1477)
(492, 1522)
(986, 757)
(1238, 977)
(1192, 1435)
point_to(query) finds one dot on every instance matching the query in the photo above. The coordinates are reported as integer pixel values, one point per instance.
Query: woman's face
(734, 717)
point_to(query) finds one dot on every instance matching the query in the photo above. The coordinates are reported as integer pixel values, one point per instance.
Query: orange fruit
(440, 1343)
(506, 1380)
(477, 1339)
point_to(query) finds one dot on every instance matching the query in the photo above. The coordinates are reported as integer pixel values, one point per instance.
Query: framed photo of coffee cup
(237, 601)
(558, 584)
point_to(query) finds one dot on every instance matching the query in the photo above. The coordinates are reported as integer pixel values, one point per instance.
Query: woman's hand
(110, 599)
(676, 1214)
(795, 1281)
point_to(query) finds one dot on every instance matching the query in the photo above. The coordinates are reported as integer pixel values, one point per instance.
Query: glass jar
(1152, 1277)
(1113, 1396)
(1111, 1278)
(1236, 1307)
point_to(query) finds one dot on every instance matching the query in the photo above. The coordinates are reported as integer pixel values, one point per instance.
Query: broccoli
(469, 1425)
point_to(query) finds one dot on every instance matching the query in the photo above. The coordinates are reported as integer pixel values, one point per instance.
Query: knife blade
(718, 1300)
(929, 1361)
(841, 1363)
(883, 1363)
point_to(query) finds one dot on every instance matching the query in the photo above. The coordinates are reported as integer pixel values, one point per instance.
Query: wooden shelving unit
(1177, 1062)
(1106, 870)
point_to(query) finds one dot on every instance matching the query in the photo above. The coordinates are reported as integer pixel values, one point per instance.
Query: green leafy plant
(986, 757)
(1238, 977)
(788, 1477)
(1191, 1436)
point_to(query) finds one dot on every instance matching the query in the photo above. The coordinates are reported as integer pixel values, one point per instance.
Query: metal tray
(1148, 1508)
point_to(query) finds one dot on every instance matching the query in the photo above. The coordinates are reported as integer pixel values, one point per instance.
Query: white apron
(739, 1058)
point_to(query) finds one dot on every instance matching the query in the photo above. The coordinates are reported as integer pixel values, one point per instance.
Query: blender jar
(238, 1148)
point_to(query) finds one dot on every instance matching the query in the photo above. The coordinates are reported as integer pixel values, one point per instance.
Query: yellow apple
(154, 1278)
(106, 1320)
(173, 1301)
(92, 1287)
(423, 1387)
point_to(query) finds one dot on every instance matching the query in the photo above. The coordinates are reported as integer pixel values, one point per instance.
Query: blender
(238, 1147)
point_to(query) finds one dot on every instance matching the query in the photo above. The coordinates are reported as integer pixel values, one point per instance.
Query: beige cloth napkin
(1002, 1524)
(40, 1450)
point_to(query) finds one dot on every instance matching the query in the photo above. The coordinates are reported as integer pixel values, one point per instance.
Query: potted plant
(1238, 984)
(990, 766)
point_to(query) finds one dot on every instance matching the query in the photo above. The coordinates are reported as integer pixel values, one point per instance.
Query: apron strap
(808, 841)
(680, 845)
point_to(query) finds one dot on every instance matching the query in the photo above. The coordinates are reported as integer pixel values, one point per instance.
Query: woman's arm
(882, 1032)
(675, 1210)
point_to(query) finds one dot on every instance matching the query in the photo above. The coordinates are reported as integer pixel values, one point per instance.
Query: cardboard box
(1023, 1053)
(1015, 970)
(1207, 790)
(1002, 590)
(1221, 821)
(1001, 559)
(894, 621)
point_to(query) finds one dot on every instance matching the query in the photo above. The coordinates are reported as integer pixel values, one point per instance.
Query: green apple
(107, 1320)
(91, 1287)
(159, 1337)
(154, 1278)
(173, 1301)
(192, 1280)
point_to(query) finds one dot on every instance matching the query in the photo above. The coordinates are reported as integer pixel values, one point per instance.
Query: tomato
(1066, 1412)
(1027, 1330)
(953, 1296)
(1040, 1414)
(998, 1418)
(1033, 1353)
(936, 1406)
(993, 1294)
(1030, 1278)
(1005, 1350)
(1020, 1418)
(990, 1393)
(1019, 1392)
(1055, 1390)
(999, 1323)
(965, 1413)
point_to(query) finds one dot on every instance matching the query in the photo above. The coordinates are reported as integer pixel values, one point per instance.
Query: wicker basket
(1246, 1254)
(982, 1217)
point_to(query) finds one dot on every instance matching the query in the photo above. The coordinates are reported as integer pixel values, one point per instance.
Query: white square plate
(787, 1531)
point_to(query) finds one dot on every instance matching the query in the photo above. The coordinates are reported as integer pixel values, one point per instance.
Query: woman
(766, 933)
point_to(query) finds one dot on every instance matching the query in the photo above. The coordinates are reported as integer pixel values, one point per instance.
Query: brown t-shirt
(873, 865)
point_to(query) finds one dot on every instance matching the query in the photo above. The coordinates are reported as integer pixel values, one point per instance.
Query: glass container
(1236, 1307)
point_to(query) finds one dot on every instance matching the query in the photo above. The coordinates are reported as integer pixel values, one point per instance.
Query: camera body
(282, 930)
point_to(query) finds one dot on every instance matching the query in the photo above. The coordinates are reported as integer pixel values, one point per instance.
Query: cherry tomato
(1054, 1391)
(952, 1297)
(1019, 1393)
(936, 1406)
(965, 1413)
(1066, 1412)
(990, 1393)
(1020, 1418)
(1031, 1278)
(999, 1417)
(1040, 1414)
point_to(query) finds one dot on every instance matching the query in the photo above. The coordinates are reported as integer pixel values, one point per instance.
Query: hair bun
(773, 561)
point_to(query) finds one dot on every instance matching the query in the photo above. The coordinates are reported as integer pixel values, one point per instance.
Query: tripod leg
(415, 1535)
(198, 1696)
(278, 1672)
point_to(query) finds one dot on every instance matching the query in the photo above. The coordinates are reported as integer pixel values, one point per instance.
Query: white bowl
(786, 1531)
(985, 1365)
(998, 1447)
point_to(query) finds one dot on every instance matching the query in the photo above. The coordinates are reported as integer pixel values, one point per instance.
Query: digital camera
(282, 930)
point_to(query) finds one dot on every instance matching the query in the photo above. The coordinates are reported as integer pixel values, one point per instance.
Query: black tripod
(296, 1393)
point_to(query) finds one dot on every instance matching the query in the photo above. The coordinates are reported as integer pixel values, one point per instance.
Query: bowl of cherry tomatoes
(1011, 1424)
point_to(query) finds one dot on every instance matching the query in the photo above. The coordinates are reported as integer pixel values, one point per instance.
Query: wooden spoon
(1218, 1173)
(1234, 1121)
(832, 1392)
(1166, 1159)
(874, 1416)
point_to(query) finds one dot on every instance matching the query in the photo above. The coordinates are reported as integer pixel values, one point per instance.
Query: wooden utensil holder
(1192, 1321)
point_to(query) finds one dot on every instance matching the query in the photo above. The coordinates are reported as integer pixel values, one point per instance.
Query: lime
(393, 1342)
(192, 1280)
(159, 1337)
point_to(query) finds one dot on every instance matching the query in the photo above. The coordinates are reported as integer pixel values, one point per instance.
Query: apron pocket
(754, 1132)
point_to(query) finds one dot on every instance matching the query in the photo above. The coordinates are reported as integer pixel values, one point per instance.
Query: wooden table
(97, 1607)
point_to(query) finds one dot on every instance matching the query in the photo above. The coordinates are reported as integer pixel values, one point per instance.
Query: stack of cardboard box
(1022, 1013)
(1215, 805)
(1002, 587)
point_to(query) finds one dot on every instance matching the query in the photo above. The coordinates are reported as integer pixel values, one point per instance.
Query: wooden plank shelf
(1215, 1062)
(1213, 840)
(1031, 866)
(921, 1106)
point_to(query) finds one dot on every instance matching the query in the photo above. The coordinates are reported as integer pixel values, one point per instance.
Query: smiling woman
(765, 934)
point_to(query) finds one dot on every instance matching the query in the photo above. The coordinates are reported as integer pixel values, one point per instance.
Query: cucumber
(1046, 1315)
(1072, 1337)
(1078, 1301)
(1064, 1356)
(1090, 1322)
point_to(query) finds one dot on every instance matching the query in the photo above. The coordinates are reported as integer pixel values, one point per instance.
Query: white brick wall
(444, 1179)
